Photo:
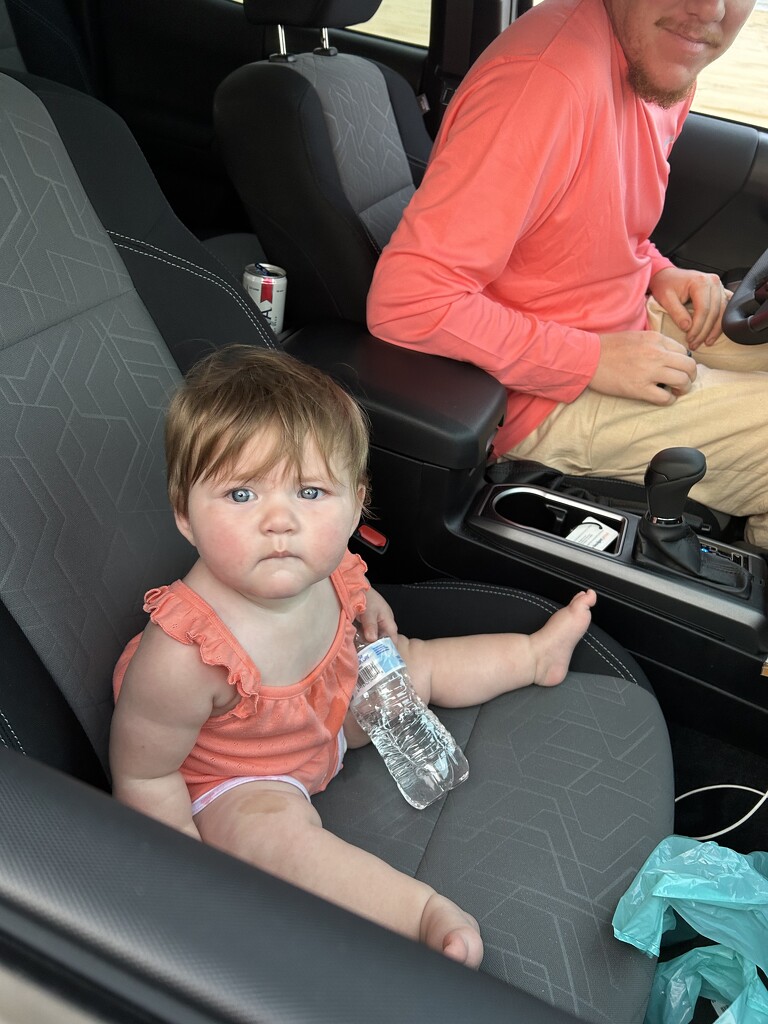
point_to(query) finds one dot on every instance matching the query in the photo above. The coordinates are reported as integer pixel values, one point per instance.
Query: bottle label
(375, 662)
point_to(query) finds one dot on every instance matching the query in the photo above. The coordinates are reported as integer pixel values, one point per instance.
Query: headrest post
(282, 56)
(325, 49)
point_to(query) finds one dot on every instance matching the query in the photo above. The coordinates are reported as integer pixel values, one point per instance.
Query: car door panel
(716, 213)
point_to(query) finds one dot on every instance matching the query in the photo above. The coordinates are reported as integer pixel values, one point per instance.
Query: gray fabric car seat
(105, 299)
(45, 41)
(341, 142)
(10, 56)
(91, 273)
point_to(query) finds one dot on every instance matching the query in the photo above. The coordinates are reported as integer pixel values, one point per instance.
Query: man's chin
(644, 87)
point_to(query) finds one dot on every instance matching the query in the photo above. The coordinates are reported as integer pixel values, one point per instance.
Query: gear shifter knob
(665, 541)
(670, 475)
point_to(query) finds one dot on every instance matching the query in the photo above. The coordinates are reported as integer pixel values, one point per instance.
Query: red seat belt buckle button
(372, 538)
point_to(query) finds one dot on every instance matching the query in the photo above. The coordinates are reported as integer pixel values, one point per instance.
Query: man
(526, 250)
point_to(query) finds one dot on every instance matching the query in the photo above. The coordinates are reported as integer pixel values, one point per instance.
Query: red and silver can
(267, 284)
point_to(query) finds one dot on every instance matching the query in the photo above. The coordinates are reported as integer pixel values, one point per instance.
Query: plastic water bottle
(423, 758)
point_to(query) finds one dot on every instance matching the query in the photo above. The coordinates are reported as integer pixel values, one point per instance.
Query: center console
(693, 611)
(602, 546)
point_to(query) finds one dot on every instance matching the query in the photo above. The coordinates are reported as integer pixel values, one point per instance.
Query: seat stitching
(165, 252)
(12, 732)
(611, 659)
(487, 588)
(599, 648)
(200, 272)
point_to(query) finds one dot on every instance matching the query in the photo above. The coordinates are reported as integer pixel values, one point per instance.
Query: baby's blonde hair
(239, 391)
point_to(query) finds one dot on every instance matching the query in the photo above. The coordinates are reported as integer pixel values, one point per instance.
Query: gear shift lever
(665, 540)
(669, 477)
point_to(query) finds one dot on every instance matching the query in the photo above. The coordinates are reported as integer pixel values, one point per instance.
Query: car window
(404, 20)
(407, 21)
(736, 84)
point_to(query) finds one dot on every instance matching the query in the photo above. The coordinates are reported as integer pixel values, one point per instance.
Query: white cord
(749, 789)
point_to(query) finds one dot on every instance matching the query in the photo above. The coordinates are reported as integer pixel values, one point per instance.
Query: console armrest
(422, 406)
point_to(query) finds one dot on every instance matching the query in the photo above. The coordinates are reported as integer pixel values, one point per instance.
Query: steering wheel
(745, 319)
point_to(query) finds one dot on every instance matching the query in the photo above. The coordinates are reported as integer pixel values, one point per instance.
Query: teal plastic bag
(722, 895)
(709, 972)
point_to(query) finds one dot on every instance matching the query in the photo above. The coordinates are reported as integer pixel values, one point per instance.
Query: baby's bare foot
(448, 929)
(555, 641)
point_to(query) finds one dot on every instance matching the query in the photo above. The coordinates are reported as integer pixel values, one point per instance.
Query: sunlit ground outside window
(406, 20)
(736, 84)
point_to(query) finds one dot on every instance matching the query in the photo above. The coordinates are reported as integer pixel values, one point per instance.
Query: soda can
(266, 284)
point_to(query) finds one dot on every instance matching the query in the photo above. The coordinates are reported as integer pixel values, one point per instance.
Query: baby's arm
(378, 619)
(165, 699)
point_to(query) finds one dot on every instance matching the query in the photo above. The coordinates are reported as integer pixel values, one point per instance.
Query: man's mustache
(692, 31)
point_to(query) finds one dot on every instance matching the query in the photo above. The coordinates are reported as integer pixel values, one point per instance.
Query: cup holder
(569, 519)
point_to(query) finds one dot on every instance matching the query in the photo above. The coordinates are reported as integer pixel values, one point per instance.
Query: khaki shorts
(725, 415)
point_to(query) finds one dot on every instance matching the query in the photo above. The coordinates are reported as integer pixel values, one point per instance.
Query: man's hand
(643, 365)
(695, 301)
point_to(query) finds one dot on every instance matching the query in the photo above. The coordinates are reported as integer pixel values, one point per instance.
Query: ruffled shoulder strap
(184, 616)
(351, 584)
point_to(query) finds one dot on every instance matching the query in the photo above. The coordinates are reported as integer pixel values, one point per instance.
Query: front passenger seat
(340, 144)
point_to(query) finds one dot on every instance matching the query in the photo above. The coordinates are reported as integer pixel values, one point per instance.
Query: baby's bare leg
(272, 826)
(456, 672)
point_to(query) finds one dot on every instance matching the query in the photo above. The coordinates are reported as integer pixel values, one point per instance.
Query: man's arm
(499, 171)
(503, 170)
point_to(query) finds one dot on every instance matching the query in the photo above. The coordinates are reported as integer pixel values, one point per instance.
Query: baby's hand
(378, 619)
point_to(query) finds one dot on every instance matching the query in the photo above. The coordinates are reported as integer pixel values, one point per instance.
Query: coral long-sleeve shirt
(529, 235)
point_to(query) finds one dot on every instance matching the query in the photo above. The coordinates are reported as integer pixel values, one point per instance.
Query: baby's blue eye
(310, 493)
(241, 495)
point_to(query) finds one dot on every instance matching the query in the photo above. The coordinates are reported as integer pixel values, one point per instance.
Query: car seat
(106, 300)
(342, 144)
(42, 39)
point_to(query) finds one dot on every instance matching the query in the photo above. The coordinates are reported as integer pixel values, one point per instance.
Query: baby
(232, 707)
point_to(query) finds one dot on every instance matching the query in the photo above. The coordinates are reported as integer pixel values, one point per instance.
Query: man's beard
(642, 85)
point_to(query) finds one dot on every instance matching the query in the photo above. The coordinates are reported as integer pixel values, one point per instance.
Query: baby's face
(272, 537)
